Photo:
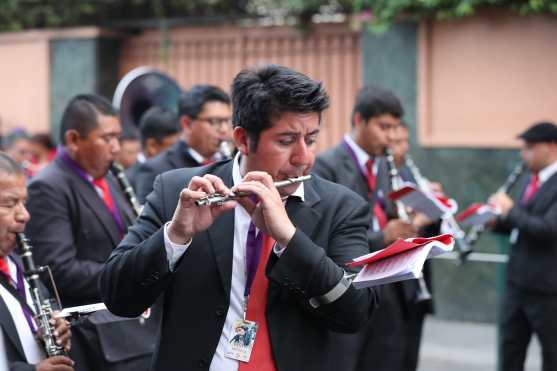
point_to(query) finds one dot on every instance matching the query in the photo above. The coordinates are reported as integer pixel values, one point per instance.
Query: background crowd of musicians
(175, 279)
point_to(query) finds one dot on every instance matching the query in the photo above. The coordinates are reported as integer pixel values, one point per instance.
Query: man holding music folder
(267, 269)
(530, 302)
(20, 347)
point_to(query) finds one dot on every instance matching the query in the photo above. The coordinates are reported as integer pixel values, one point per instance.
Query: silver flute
(217, 198)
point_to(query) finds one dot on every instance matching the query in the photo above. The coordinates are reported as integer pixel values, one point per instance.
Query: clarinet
(476, 231)
(423, 293)
(118, 171)
(43, 307)
(462, 245)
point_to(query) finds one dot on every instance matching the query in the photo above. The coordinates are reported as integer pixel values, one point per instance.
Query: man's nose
(22, 215)
(301, 153)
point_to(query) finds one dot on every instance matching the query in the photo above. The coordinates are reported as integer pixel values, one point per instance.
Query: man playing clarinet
(530, 300)
(20, 347)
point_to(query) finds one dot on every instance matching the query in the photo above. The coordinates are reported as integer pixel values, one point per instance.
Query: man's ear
(358, 120)
(151, 147)
(241, 140)
(72, 139)
(186, 124)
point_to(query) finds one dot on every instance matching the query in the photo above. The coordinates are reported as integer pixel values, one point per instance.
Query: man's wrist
(285, 240)
(177, 237)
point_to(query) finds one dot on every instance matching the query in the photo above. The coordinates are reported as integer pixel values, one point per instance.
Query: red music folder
(402, 260)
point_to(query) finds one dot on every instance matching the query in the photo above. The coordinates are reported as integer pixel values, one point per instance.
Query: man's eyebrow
(297, 133)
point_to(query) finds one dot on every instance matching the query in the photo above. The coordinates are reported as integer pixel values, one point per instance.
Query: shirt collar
(200, 159)
(361, 155)
(237, 178)
(65, 156)
(547, 172)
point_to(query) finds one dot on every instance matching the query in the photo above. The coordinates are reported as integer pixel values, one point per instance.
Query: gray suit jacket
(176, 157)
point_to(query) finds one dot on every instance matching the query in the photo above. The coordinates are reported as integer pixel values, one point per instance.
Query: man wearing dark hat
(530, 302)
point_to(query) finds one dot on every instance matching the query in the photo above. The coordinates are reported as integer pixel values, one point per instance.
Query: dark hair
(82, 112)
(192, 101)
(373, 101)
(8, 166)
(44, 140)
(262, 93)
(158, 123)
(130, 133)
(9, 140)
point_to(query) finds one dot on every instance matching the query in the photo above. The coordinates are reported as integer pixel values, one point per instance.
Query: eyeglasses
(216, 121)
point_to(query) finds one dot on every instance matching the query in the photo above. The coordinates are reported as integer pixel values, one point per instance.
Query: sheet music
(402, 260)
(420, 201)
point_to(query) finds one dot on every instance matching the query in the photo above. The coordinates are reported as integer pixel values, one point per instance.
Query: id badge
(243, 338)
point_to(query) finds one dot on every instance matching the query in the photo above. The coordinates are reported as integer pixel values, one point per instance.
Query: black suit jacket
(72, 230)
(176, 157)
(74, 233)
(534, 254)
(331, 226)
(338, 166)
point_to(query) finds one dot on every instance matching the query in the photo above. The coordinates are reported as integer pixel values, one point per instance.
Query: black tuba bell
(141, 89)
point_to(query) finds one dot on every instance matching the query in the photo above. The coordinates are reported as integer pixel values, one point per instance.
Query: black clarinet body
(462, 246)
(118, 171)
(42, 305)
(476, 231)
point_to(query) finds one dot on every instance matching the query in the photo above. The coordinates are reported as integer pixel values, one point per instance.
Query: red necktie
(207, 161)
(4, 269)
(532, 188)
(378, 211)
(107, 197)
(261, 356)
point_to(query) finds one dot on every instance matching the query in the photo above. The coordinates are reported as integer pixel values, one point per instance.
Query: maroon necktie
(531, 189)
(378, 211)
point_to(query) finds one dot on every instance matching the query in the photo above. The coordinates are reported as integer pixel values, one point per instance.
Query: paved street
(464, 346)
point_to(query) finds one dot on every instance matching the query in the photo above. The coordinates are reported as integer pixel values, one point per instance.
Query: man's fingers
(61, 360)
(189, 195)
(204, 184)
(260, 176)
(218, 184)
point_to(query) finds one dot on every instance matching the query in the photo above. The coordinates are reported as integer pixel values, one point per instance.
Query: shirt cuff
(174, 251)
(278, 249)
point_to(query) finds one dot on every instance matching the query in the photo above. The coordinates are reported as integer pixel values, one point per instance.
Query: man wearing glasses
(205, 119)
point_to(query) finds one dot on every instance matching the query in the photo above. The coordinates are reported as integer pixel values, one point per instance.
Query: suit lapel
(91, 198)
(353, 175)
(179, 157)
(544, 194)
(124, 208)
(221, 233)
(7, 324)
(303, 214)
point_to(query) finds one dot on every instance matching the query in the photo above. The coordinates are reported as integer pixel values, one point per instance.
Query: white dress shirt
(363, 157)
(235, 312)
(547, 172)
(33, 352)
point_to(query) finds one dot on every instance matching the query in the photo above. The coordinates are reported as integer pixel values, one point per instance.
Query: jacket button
(219, 312)
(202, 362)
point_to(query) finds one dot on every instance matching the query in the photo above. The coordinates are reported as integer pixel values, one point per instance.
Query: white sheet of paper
(404, 266)
(424, 203)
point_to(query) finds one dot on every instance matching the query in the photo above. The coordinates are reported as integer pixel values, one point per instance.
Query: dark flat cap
(540, 132)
